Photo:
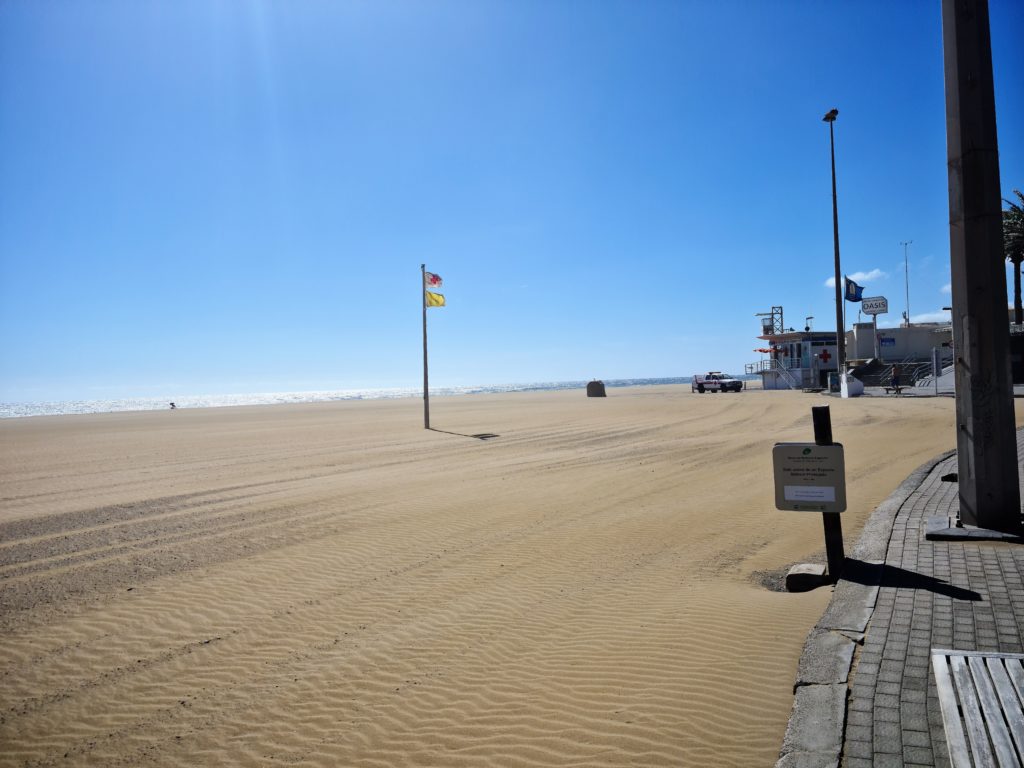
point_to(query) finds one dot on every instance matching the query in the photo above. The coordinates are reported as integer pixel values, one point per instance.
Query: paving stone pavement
(918, 595)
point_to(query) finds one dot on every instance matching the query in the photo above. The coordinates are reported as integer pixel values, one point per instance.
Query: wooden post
(822, 418)
(985, 439)
(426, 391)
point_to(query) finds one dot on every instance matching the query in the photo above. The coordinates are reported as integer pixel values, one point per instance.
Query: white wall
(896, 344)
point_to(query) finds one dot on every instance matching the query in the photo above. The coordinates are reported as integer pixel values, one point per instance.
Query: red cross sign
(825, 356)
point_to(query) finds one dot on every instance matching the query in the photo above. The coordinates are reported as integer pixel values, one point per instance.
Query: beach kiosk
(796, 360)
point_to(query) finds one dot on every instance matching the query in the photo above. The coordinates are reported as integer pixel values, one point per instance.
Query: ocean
(67, 407)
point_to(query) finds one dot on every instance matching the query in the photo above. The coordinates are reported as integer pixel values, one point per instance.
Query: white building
(805, 359)
(796, 360)
(906, 344)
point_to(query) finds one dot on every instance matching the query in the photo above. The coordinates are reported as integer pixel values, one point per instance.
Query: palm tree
(1013, 247)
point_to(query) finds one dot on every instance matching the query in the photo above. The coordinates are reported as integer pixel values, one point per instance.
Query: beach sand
(332, 585)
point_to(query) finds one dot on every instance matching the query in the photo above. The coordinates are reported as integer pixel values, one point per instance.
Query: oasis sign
(878, 305)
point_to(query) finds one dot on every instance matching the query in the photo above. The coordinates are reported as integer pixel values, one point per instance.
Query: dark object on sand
(805, 577)
(173, 406)
(596, 389)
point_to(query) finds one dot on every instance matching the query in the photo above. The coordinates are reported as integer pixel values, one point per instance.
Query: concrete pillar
(986, 441)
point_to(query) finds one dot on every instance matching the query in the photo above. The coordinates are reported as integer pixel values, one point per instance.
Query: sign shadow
(885, 575)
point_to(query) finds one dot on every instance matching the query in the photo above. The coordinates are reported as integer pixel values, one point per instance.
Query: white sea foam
(66, 407)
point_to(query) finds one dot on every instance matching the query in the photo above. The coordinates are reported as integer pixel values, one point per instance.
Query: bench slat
(959, 757)
(1016, 672)
(971, 710)
(1005, 754)
(1008, 698)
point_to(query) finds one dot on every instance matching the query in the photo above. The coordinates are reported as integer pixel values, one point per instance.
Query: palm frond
(1013, 229)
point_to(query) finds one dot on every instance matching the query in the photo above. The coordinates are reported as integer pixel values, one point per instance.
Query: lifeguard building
(805, 359)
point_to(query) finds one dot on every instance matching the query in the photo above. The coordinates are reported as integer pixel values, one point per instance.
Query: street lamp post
(830, 118)
(906, 277)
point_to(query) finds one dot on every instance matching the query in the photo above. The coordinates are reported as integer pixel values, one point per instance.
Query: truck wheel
(700, 388)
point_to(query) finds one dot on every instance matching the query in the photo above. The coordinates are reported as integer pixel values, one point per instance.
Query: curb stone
(814, 734)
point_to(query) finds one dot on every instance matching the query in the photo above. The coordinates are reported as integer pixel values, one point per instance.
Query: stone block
(805, 577)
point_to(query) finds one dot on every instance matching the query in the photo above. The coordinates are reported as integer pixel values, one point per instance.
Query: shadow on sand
(885, 575)
(478, 436)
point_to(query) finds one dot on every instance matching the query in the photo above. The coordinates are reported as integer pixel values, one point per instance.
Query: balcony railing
(765, 366)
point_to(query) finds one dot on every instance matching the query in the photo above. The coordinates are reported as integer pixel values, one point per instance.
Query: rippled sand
(545, 580)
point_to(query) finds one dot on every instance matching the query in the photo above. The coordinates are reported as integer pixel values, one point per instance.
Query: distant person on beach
(896, 378)
(173, 406)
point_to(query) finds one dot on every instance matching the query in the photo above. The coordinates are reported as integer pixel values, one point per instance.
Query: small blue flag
(853, 291)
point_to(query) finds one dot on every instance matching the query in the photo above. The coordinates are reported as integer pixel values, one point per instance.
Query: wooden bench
(982, 693)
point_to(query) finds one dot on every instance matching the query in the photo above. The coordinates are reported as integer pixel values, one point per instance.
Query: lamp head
(830, 116)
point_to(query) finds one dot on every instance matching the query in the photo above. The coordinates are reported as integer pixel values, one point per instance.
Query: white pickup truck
(715, 381)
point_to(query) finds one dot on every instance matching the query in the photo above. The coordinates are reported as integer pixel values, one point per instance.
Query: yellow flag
(434, 299)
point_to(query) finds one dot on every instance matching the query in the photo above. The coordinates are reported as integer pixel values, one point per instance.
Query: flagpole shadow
(478, 436)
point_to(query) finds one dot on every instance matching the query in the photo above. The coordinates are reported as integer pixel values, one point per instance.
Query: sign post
(811, 477)
(875, 306)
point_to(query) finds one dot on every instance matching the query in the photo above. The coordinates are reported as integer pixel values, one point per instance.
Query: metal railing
(789, 378)
(759, 367)
(766, 366)
(911, 372)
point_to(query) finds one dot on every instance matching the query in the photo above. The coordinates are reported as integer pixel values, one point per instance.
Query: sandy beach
(544, 579)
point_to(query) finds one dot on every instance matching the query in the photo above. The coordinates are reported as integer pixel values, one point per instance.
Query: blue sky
(219, 197)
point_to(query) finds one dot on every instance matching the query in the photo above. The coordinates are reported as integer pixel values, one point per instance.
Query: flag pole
(426, 392)
(843, 331)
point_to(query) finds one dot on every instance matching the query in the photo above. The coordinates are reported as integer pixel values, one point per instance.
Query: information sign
(876, 305)
(809, 477)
